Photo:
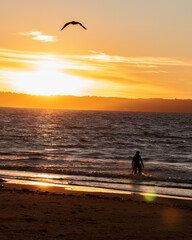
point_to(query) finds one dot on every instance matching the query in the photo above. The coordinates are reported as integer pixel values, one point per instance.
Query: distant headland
(9, 99)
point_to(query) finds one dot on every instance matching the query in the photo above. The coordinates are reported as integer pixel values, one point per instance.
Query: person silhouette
(137, 163)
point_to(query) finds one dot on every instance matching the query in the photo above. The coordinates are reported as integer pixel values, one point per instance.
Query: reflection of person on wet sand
(137, 163)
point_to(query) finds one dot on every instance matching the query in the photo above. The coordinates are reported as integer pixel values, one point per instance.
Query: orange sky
(133, 49)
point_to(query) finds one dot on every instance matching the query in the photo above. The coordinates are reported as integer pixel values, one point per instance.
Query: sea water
(95, 149)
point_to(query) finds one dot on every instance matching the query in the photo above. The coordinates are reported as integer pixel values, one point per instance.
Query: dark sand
(28, 212)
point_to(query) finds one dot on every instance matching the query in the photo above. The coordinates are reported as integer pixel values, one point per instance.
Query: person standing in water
(137, 163)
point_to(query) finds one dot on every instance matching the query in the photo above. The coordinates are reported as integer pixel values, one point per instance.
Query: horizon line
(59, 95)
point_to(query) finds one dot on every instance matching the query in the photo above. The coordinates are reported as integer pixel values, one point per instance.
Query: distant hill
(8, 99)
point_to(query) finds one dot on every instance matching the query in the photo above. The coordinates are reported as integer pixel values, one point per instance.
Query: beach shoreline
(51, 212)
(79, 190)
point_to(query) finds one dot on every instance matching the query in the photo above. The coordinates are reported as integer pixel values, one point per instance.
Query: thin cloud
(98, 66)
(39, 58)
(15, 54)
(121, 74)
(39, 36)
(137, 61)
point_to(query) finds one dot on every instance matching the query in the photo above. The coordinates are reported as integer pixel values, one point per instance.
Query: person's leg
(134, 170)
(139, 168)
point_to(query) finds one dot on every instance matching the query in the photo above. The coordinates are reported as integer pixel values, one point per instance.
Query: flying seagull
(73, 23)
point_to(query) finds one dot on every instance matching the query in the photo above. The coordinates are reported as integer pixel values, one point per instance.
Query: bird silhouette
(73, 23)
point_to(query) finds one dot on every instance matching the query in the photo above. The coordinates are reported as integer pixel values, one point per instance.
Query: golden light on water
(41, 184)
(44, 184)
(44, 176)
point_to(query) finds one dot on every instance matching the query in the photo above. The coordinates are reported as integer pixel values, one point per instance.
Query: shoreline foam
(60, 189)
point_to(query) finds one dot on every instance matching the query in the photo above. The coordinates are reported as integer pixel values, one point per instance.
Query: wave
(107, 175)
(98, 145)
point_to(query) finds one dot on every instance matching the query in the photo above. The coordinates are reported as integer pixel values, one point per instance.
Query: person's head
(137, 152)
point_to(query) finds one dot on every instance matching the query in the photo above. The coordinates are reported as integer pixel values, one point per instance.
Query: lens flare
(150, 196)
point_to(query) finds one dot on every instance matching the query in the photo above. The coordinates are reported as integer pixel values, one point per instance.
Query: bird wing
(82, 25)
(73, 22)
(65, 25)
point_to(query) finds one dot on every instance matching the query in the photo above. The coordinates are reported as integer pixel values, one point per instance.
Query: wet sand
(34, 212)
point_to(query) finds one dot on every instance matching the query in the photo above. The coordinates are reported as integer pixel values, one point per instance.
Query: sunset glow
(123, 56)
(95, 119)
(48, 80)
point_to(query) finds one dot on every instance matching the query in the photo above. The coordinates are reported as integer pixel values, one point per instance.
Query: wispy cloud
(128, 70)
(11, 57)
(123, 75)
(39, 36)
(96, 65)
(94, 60)
(137, 61)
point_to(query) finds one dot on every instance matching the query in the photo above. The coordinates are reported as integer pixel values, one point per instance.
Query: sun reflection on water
(44, 176)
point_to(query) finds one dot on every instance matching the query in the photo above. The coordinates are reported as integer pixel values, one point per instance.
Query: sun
(49, 80)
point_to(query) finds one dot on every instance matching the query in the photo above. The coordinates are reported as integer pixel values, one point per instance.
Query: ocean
(95, 149)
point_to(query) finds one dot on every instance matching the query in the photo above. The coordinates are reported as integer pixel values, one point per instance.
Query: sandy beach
(34, 212)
